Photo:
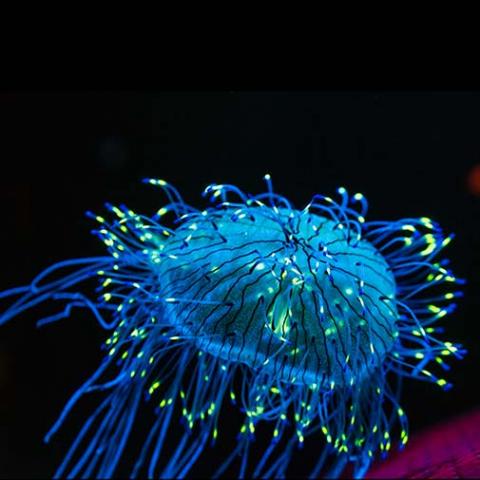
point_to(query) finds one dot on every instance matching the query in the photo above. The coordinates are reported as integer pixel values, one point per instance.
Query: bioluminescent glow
(306, 319)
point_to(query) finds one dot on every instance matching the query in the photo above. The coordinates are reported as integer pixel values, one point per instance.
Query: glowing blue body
(317, 313)
(271, 299)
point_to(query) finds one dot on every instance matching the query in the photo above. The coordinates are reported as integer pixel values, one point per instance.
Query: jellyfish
(305, 321)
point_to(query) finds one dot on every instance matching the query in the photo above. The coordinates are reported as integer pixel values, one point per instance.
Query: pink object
(448, 450)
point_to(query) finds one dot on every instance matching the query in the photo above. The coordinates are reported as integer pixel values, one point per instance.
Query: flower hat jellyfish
(306, 319)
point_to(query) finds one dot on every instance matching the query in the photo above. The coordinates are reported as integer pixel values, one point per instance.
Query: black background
(410, 153)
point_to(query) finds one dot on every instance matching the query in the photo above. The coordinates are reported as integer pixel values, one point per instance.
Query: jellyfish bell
(315, 311)
(284, 292)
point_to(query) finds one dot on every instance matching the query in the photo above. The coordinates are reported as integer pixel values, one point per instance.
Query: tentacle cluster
(308, 326)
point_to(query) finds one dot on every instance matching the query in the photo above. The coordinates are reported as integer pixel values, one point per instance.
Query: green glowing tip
(446, 241)
(154, 386)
